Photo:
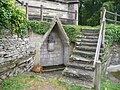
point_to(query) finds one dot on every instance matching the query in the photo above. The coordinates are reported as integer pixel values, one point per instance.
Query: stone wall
(16, 55)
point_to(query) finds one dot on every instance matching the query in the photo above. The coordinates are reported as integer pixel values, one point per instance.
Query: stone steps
(78, 73)
(80, 59)
(87, 48)
(87, 40)
(78, 82)
(90, 30)
(86, 44)
(87, 37)
(86, 53)
(90, 34)
(54, 69)
(80, 66)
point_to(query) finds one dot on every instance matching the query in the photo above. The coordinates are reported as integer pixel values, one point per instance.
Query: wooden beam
(27, 11)
(41, 12)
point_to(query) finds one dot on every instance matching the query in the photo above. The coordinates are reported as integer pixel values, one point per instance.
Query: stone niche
(52, 49)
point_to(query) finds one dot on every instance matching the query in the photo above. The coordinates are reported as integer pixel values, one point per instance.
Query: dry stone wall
(16, 55)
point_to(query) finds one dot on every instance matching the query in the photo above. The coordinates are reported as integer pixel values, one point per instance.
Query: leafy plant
(107, 84)
(71, 32)
(40, 27)
(12, 17)
(112, 34)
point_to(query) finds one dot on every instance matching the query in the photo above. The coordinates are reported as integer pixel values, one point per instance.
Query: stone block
(2, 53)
(3, 77)
(1, 59)
(3, 69)
(7, 59)
(1, 81)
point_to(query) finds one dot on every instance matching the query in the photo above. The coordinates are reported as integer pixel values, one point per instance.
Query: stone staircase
(81, 61)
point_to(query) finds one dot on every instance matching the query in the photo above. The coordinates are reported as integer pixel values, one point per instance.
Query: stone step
(88, 48)
(78, 73)
(86, 44)
(84, 53)
(54, 69)
(80, 66)
(87, 40)
(82, 60)
(78, 82)
(91, 34)
(87, 37)
(93, 30)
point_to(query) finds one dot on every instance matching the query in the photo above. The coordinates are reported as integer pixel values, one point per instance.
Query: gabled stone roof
(60, 30)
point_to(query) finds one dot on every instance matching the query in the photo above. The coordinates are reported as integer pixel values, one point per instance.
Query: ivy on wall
(12, 17)
(41, 27)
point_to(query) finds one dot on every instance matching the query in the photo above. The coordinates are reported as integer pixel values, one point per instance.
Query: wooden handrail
(97, 54)
(46, 8)
(52, 9)
(97, 63)
(21, 3)
(41, 8)
(112, 20)
(112, 13)
(115, 17)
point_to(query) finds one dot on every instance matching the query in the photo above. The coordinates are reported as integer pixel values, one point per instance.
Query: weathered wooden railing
(101, 43)
(47, 17)
(115, 17)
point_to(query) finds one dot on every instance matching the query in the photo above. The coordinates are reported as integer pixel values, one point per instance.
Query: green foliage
(14, 83)
(109, 85)
(40, 27)
(71, 32)
(112, 34)
(26, 82)
(12, 17)
(89, 10)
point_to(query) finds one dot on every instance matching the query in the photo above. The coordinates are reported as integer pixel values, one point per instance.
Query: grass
(108, 85)
(31, 82)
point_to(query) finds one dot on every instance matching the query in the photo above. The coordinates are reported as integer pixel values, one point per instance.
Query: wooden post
(41, 12)
(101, 15)
(115, 17)
(27, 11)
(103, 37)
(97, 79)
(103, 20)
(76, 21)
(23, 3)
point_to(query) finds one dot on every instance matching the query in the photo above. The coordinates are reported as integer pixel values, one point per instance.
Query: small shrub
(112, 34)
(12, 17)
(71, 32)
(40, 27)
(107, 84)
